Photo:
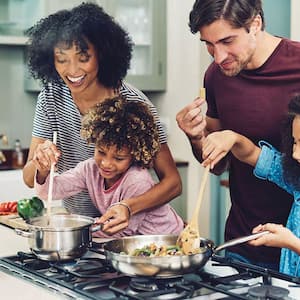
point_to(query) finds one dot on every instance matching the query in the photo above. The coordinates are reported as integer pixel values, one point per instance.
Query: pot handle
(23, 233)
(97, 227)
(240, 240)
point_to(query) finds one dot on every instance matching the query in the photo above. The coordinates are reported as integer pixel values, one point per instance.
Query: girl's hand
(279, 236)
(115, 219)
(216, 146)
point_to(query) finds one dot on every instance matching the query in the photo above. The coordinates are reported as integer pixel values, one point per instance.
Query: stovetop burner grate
(268, 292)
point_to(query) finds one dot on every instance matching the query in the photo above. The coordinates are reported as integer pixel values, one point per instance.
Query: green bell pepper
(30, 208)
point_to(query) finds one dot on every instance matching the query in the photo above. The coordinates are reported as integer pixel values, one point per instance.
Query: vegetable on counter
(30, 208)
(7, 208)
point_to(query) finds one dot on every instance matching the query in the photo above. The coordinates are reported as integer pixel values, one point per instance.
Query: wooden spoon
(188, 239)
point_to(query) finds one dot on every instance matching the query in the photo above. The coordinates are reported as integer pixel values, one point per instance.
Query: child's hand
(115, 219)
(279, 236)
(216, 145)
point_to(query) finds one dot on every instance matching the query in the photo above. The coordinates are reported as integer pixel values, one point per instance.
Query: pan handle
(23, 233)
(97, 227)
(240, 240)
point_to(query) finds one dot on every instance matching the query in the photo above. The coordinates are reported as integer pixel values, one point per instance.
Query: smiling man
(248, 86)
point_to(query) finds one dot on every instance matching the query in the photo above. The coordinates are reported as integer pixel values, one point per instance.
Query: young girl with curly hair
(81, 56)
(282, 169)
(126, 143)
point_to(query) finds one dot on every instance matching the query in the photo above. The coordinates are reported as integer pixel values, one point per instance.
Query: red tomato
(2, 206)
(14, 207)
(10, 206)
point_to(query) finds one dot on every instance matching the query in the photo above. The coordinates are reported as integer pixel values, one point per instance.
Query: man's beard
(240, 65)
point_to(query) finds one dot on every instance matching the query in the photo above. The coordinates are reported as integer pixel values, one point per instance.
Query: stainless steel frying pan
(162, 266)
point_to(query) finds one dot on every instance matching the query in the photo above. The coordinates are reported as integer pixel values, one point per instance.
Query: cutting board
(14, 221)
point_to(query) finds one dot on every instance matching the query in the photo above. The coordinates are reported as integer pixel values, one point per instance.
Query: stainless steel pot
(162, 266)
(59, 237)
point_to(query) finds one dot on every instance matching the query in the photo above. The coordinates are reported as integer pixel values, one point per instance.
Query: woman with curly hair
(126, 142)
(82, 56)
(282, 169)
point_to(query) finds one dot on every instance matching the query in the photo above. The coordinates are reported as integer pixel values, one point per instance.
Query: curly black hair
(85, 22)
(123, 123)
(291, 169)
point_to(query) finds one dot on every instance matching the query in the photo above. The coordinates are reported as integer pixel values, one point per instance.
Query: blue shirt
(269, 167)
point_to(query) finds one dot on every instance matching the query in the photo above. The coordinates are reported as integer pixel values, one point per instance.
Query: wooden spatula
(188, 239)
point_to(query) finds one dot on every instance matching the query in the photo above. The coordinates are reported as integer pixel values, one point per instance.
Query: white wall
(186, 62)
(295, 20)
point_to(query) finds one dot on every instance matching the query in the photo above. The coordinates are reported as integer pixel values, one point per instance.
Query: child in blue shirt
(281, 168)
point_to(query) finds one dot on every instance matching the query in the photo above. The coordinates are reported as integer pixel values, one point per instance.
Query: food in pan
(152, 250)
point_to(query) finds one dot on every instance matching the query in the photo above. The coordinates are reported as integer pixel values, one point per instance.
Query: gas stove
(92, 277)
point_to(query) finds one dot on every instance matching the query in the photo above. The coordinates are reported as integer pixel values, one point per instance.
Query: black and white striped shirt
(56, 111)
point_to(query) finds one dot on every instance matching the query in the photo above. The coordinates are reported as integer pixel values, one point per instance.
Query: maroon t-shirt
(254, 104)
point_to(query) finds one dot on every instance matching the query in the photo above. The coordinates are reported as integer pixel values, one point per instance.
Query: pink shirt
(136, 181)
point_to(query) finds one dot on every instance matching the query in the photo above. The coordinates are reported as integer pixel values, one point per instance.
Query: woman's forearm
(28, 174)
(165, 190)
(29, 168)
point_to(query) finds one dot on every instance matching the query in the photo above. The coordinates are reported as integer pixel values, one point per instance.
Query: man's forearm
(197, 149)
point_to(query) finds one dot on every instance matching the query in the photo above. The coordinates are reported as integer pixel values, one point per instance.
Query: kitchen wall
(295, 20)
(16, 106)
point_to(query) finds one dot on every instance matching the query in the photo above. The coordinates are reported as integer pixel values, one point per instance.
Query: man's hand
(191, 120)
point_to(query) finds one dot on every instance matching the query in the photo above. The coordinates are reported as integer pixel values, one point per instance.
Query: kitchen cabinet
(17, 15)
(145, 20)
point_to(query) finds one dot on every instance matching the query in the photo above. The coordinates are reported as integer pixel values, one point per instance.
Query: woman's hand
(115, 219)
(44, 156)
(279, 236)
